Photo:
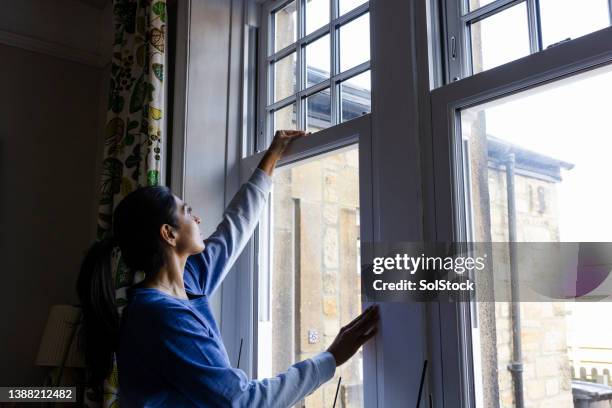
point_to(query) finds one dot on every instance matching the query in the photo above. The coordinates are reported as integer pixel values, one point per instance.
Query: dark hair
(136, 224)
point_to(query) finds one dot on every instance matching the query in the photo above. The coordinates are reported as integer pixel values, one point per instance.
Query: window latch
(453, 47)
(559, 43)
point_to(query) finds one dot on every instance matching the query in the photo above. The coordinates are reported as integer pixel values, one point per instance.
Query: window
(517, 154)
(315, 285)
(314, 74)
(316, 67)
(307, 284)
(483, 34)
(555, 153)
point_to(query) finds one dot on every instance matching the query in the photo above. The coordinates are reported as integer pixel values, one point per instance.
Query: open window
(304, 280)
(309, 281)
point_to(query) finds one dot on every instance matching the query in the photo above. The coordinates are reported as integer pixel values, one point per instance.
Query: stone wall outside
(316, 280)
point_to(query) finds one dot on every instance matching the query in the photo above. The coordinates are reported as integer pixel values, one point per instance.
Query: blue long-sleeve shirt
(170, 350)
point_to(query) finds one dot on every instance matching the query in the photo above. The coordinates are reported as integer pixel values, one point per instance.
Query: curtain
(135, 126)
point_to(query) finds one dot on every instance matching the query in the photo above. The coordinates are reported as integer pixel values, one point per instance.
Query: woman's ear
(168, 234)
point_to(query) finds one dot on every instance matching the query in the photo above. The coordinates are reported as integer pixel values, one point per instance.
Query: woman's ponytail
(136, 224)
(100, 326)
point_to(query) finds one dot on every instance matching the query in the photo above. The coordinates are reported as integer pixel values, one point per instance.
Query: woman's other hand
(354, 335)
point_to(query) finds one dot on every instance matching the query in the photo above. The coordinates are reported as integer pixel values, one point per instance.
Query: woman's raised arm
(207, 270)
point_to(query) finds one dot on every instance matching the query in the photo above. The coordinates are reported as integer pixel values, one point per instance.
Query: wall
(52, 79)
(207, 115)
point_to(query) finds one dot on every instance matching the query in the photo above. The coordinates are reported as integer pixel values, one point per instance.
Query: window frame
(447, 204)
(457, 34)
(242, 299)
(267, 56)
(240, 303)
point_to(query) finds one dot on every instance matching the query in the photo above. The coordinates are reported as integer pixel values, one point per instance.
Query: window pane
(317, 14)
(499, 39)
(317, 61)
(348, 5)
(315, 284)
(284, 77)
(476, 4)
(559, 139)
(355, 42)
(285, 118)
(355, 99)
(318, 111)
(285, 26)
(562, 19)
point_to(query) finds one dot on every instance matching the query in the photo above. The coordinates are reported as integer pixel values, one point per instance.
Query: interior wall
(48, 133)
(50, 119)
(213, 111)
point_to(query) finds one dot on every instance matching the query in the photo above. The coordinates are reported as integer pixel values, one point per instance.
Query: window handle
(453, 52)
(559, 43)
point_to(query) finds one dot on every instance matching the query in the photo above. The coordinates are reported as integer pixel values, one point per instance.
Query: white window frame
(456, 380)
(400, 124)
(267, 57)
(458, 18)
(243, 296)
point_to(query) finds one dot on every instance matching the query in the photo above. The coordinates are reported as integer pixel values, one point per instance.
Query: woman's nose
(198, 219)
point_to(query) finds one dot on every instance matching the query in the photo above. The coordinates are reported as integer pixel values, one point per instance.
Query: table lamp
(58, 347)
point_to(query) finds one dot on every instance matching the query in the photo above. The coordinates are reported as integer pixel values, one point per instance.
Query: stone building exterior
(543, 328)
(546, 375)
(316, 281)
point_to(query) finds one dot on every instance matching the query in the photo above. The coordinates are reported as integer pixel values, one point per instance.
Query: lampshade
(61, 333)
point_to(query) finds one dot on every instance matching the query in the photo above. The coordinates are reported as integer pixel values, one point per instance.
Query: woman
(169, 348)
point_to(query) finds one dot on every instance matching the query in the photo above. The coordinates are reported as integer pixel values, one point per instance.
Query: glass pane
(285, 118)
(317, 61)
(348, 5)
(476, 4)
(284, 77)
(562, 19)
(317, 14)
(355, 98)
(318, 111)
(554, 144)
(501, 38)
(285, 26)
(315, 284)
(355, 42)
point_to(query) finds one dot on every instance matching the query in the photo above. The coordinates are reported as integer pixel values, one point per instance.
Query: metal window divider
(302, 41)
(301, 113)
(535, 26)
(334, 50)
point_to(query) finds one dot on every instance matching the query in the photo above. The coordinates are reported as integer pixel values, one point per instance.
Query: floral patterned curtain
(135, 125)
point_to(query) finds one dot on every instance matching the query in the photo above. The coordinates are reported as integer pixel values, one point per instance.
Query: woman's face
(189, 237)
